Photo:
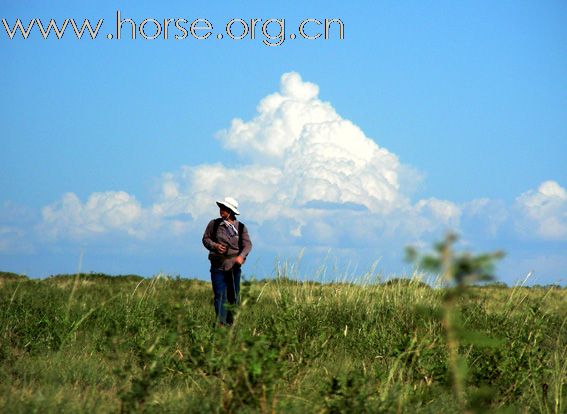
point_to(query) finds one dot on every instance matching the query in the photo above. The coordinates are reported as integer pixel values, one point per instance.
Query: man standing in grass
(228, 243)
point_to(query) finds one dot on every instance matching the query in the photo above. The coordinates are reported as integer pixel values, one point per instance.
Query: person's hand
(221, 248)
(239, 260)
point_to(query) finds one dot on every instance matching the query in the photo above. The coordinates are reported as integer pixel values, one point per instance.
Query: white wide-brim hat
(229, 203)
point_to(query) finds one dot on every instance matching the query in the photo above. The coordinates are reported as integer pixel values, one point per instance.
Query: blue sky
(423, 118)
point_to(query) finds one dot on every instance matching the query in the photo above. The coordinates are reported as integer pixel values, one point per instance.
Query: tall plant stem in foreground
(458, 271)
(456, 368)
(450, 320)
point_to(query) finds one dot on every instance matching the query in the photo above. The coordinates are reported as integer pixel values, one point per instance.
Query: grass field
(95, 343)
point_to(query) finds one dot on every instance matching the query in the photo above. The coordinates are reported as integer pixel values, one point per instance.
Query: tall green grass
(94, 343)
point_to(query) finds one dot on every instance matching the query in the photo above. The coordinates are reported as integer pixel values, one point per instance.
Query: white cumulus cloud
(543, 212)
(303, 149)
(101, 213)
(309, 176)
(279, 122)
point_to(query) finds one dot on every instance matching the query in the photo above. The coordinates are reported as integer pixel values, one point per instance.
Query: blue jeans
(226, 287)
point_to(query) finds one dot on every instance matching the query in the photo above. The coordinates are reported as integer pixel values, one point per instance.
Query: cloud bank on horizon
(307, 177)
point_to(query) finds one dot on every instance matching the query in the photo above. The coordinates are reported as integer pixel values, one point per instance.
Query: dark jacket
(226, 236)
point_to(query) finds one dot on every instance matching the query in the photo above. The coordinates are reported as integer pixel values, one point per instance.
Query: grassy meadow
(95, 343)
